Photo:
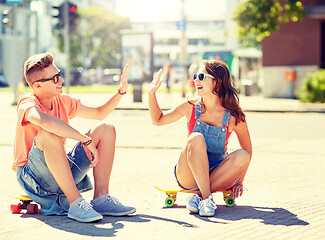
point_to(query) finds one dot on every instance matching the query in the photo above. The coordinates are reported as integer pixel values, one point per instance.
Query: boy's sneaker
(108, 205)
(207, 207)
(193, 203)
(82, 211)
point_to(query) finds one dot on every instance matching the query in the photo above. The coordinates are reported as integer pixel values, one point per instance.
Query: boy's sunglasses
(201, 76)
(55, 78)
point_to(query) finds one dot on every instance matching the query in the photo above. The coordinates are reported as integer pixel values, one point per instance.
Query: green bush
(313, 88)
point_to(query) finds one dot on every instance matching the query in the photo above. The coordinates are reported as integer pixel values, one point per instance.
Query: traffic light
(7, 17)
(73, 16)
(59, 14)
(72, 12)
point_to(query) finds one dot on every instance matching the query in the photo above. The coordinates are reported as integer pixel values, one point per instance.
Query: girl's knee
(195, 145)
(242, 158)
(245, 155)
(196, 140)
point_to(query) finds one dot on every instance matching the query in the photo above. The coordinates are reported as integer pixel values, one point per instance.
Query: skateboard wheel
(32, 208)
(15, 208)
(169, 202)
(230, 202)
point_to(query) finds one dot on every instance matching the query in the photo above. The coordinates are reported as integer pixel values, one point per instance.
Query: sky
(164, 10)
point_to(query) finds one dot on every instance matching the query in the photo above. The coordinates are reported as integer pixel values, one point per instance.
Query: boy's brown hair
(36, 63)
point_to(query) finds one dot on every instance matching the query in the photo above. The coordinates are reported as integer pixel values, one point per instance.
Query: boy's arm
(53, 125)
(101, 112)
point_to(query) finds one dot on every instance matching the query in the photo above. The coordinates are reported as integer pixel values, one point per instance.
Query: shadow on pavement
(107, 227)
(267, 215)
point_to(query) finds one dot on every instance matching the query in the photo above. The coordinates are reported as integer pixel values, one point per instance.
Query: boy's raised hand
(124, 79)
(156, 82)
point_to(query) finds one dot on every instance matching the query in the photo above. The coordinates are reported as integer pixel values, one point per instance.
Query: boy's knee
(107, 129)
(45, 138)
(104, 131)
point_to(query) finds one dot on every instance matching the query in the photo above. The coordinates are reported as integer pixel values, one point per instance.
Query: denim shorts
(38, 182)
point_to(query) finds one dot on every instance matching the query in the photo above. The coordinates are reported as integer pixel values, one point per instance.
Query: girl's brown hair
(37, 63)
(224, 88)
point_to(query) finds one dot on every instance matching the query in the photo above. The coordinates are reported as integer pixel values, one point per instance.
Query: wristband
(119, 92)
(87, 142)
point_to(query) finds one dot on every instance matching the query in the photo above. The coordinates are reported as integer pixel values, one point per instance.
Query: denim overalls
(214, 136)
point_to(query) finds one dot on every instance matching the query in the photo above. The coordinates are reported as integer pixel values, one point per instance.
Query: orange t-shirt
(64, 107)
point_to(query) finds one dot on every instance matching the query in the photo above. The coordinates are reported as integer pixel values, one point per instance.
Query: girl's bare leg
(193, 166)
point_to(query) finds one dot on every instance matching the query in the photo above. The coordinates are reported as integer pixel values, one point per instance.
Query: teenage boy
(51, 177)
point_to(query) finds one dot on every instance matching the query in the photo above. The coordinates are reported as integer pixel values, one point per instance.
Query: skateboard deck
(26, 204)
(172, 196)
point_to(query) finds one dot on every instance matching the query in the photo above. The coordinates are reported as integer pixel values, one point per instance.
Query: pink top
(64, 107)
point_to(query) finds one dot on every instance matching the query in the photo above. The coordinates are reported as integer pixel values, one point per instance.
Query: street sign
(181, 25)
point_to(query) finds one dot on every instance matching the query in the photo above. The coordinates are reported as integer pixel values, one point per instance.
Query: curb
(245, 110)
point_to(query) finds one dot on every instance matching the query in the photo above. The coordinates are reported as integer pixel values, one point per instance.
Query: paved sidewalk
(285, 181)
(248, 103)
(255, 103)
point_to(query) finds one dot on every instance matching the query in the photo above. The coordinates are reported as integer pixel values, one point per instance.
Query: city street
(270, 53)
(285, 182)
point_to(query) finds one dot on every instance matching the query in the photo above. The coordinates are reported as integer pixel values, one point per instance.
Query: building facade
(18, 33)
(295, 51)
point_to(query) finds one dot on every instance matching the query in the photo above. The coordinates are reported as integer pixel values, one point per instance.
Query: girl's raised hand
(156, 82)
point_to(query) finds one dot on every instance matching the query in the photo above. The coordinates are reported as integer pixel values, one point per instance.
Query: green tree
(101, 38)
(257, 19)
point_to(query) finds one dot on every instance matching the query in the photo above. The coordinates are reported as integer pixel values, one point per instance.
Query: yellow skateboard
(25, 203)
(172, 196)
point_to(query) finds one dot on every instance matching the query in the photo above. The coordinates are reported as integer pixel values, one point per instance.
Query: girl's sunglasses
(201, 76)
(55, 78)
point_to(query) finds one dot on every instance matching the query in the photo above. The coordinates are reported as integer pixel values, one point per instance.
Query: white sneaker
(193, 203)
(207, 207)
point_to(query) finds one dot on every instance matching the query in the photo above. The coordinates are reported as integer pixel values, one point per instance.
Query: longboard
(172, 196)
(25, 203)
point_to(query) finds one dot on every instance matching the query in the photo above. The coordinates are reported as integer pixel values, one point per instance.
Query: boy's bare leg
(104, 137)
(56, 160)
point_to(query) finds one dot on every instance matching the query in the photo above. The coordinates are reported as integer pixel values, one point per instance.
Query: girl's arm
(244, 139)
(157, 116)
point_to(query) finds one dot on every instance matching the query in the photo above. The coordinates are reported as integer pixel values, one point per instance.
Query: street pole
(15, 81)
(84, 26)
(183, 43)
(66, 45)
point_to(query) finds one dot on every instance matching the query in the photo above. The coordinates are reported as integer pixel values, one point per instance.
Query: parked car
(3, 81)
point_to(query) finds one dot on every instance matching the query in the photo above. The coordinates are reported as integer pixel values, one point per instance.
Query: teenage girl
(204, 164)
